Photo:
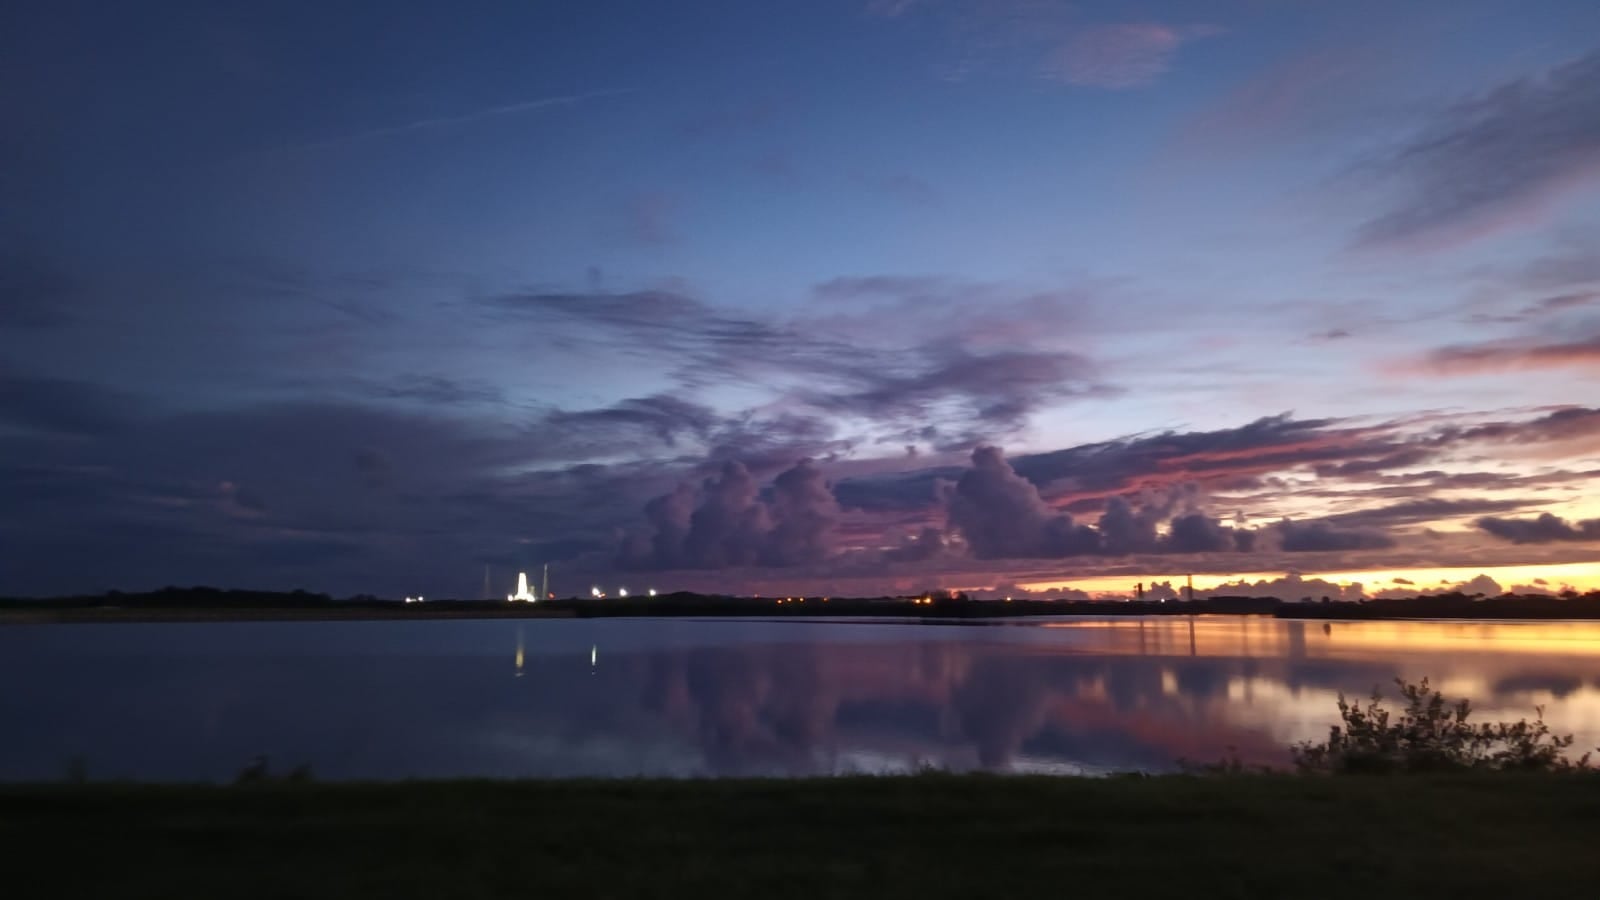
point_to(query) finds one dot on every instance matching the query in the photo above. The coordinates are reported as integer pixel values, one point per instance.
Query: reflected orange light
(1259, 636)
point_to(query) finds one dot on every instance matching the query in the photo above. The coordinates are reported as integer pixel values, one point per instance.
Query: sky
(800, 297)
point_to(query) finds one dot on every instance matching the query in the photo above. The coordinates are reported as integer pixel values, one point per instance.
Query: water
(751, 697)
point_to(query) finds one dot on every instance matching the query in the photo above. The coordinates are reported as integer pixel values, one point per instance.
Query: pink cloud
(1501, 356)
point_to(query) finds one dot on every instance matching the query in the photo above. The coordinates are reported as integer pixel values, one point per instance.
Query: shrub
(1432, 735)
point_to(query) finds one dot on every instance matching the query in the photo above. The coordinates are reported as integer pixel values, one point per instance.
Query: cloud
(441, 390)
(1292, 587)
(769, 442)
(804, 512)
(1575, 264)
(932, 309)
(1048, 40)
(1196, 532)
(1295, 587)
(1494, 160)
(1002, 516)
(1478, 584)
(892, 8)
(170, 498)
(1545, 529)
(61, 406)
(1400, 459)
(1501, 356)
(926, 544)
(667, 418)
(1150, 461)
(1125, 529)
(1569, 423)
(725, 530)
(943, 374)
(996, 390)
(1563, 302)
(1267, 444)
(1120, 56)
(466, 118)
(1319, 537)
(1427, 509)
(1306, 96)
(705, 345)
(728, 523)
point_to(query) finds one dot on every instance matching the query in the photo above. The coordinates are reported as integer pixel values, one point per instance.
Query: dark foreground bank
(923, 837)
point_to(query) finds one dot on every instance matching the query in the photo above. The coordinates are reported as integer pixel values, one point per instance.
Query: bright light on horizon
(1580, 576)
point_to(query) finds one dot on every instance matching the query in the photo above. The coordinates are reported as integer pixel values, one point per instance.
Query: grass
(925, 837)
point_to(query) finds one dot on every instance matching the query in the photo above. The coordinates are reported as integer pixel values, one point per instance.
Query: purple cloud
(1494, 160)
(1545, 529)
(1319, 537)
(995, 391)
(664, 416)
(1002, 516)
(728, 523)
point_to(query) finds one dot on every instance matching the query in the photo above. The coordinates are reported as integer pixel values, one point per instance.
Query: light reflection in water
(681, 697)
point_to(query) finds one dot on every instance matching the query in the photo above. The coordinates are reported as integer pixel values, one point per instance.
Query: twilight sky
(827, 296)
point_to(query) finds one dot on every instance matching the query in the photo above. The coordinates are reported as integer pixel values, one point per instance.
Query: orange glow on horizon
(1580, 576)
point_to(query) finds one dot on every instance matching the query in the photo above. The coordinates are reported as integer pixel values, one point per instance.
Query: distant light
(1008, 599)
(596, 593)
(594, 654)
(652, 592)
(622, 592)
(522, 593)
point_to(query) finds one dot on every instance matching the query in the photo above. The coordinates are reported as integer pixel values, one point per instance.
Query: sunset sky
(789, 296)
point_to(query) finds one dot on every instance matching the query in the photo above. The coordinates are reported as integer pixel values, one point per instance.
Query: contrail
(492, 112)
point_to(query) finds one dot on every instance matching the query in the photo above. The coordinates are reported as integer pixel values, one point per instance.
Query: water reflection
(397, 699)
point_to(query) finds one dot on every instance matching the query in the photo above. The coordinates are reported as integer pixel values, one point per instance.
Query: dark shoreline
(923, 837)
(212, 605)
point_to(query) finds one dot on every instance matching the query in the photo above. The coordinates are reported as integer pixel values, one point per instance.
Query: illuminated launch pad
(523, 593)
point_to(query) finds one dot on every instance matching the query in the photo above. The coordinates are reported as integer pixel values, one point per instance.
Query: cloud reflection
(744, 698)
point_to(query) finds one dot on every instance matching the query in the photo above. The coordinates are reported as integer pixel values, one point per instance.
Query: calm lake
(739, 697)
